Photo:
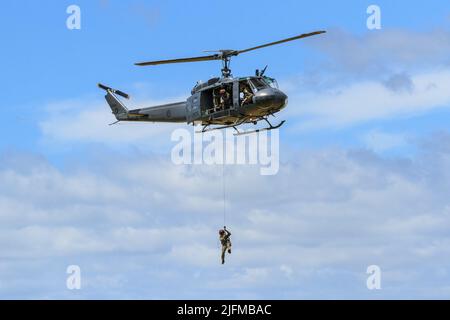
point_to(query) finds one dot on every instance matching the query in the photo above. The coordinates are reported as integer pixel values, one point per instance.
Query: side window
(195, 102)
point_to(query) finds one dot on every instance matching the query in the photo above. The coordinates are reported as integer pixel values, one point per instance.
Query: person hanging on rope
(224, 236)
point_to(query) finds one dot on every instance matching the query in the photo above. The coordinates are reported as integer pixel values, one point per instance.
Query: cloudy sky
(364, 174)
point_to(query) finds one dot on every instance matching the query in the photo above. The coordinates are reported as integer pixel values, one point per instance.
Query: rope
(223, 189)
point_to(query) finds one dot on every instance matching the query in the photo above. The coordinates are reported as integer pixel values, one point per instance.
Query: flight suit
(248, 95)
(224, 99)
(226, 244)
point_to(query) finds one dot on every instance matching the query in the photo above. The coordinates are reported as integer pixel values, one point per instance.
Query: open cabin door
(193, 107)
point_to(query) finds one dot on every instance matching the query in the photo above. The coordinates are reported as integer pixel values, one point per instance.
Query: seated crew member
(248, 95)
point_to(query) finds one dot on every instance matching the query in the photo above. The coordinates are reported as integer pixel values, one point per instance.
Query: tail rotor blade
(122, 94)
(109, 89)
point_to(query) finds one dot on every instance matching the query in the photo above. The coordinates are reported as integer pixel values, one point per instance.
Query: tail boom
(172, 112)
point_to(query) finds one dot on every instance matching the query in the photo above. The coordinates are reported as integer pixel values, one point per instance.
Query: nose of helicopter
(271, 98)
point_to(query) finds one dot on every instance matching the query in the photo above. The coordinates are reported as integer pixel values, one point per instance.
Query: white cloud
(88, 121)
(249, 277)
(328, 210)
(373, 76)
(379, 141)
(287, 270)
(370, 100)
(390, 50)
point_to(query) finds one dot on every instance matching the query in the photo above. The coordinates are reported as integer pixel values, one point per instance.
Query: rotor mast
(226, 71)
(226, 55)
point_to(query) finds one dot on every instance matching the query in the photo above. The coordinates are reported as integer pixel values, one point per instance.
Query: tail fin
(117, 107)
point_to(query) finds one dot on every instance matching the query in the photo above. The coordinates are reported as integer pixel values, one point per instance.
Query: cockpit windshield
(259, 84)
(271, 82)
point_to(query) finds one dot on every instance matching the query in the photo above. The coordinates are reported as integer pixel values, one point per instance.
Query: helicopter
(219, 103)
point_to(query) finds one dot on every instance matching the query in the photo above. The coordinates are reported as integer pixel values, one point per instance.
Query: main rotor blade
(224, 54)
(194, 59)
(305, 35)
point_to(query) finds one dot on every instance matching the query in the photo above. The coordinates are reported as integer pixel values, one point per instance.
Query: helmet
(221, 231)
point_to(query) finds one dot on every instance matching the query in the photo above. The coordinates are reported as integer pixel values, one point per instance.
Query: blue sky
(365, 153)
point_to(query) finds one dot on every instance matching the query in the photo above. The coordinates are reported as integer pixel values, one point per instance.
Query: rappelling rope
(223, 189)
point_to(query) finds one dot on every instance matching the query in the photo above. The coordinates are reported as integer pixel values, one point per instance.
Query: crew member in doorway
(224, 98)
(216, 100)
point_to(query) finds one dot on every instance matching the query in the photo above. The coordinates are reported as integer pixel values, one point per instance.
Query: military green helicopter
(219, 103)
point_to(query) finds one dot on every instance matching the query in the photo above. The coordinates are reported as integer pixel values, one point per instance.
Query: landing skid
(270, 127)
(206, 129)
(239, 133)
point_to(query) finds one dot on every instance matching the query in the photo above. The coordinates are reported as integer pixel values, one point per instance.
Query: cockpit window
(271, 82)
(259, 84)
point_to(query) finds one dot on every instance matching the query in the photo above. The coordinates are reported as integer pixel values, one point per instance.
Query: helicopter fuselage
(248, 99)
